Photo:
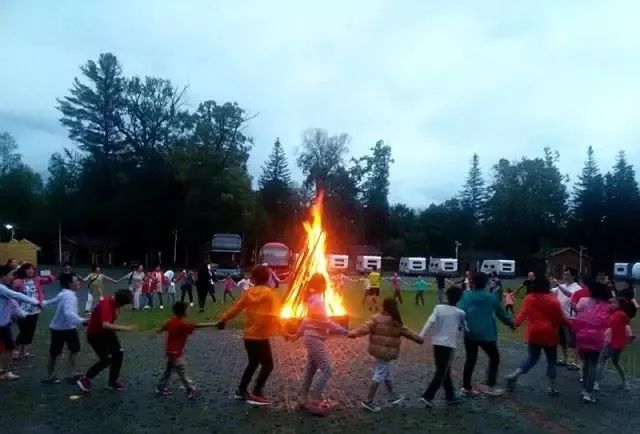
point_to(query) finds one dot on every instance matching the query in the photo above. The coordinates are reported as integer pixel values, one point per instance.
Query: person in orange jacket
(261, 305)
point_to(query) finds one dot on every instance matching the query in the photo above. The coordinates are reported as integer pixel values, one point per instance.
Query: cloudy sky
(436, 80)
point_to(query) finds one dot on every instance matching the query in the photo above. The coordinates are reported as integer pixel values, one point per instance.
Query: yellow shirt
(374, 279)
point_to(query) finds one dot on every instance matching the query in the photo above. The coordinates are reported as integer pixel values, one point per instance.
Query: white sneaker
(399, 400)
(469, 392)
(190, 304)
(626, 386)
(596, 387)
(9, 376)
(493, 391)
(161, 307)
(588, 398)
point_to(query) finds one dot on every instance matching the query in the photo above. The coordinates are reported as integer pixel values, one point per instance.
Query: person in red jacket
(27, 282)
(544, 316)
(617, 338)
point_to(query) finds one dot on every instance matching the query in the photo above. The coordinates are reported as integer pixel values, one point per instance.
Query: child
(509, 301)
(617, 339)
(366, 286)
(101, 335)
(63, 330)
(544, 317)
(178, 330)
(481, 309)
(448, 321)
(396, 283)
(7, 309)
(157, 286)
(590, 324)
(314, 330)
(262, 309)
(245, 283)
(229, 284)
(385, 330)
(420, 285)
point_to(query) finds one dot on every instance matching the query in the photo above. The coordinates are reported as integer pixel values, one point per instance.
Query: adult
(396, 284)
(261, 305)
(629, 293)
(27, 282)
(101, 335)
(528, 283)
(95, 281)
(186, 288)
(544, 316)
(481, 309)
(8, 304)
(495, 285)
(465, 282)
(66, 275)
(157, 286)
(441, 282)
(136, 280)
(204, 285)
(565, 292)
(12, 263)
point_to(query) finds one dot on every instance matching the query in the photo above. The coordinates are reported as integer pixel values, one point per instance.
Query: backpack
(590, 326)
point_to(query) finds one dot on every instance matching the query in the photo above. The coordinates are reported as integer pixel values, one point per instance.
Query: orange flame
(312, 260)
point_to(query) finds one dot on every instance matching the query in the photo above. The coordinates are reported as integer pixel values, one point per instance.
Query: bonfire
(313, 259)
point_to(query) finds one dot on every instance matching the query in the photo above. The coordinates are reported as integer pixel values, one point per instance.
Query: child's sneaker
(552, 391)
(117, 386)
(241, 396)
(596, 387)
(161, 307)
(191, 392)
(626, 386)
(84, 384)
(561, 363)
(588, 398)
(469, 392)
(493, 391)
(162, 391)
(259, 400)
(370, 406)
(317, 408)
(512, 380)
(397, 401)
(9, 376)
(190, 304)
(52, 379)
(573, 366)
(427, 402)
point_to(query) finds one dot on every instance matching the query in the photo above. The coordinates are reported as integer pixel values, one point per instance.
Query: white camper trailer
(365, 264)
(338, 262)
(504, 267)
(622, 270)
(448, 265)
(413, 266)
(635, 271)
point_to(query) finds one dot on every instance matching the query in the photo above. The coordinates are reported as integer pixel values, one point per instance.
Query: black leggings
(27, 328)
(420, 296)
(259, 353)
(398, 296)
(150, 298)
(509, 309)
(491, 349)
(187, 290)
(109, 352)
(202, 295)
(443, 357)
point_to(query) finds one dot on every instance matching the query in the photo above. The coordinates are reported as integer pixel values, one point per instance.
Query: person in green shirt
(421, 286)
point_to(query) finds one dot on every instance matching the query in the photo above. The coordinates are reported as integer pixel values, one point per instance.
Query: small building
(22, 250)
(555, 261)
(86, 250)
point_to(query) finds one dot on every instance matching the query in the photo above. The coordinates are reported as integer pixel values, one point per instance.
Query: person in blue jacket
(481, 308)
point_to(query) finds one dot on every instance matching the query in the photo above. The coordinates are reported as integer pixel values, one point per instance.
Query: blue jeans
(589, 369)
(534, 355)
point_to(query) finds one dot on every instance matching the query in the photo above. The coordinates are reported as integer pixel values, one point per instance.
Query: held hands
(351, 335)
(130, 328)
(220, 325)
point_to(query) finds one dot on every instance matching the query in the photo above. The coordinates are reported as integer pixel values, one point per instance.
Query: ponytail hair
(390, 306)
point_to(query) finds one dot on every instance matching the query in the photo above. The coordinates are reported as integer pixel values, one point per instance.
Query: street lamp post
(10, 227)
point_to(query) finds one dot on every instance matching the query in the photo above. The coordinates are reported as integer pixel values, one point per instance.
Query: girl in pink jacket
(28, 283)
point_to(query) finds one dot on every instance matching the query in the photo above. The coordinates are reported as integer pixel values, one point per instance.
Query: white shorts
(381, 371)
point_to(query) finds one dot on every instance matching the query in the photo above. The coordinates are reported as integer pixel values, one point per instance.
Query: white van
(367, 263)
(448, 265)
(413, 266)
(622, 270)
(504, 267)
(338, 262)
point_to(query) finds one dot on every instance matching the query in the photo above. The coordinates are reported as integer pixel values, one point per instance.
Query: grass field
(412, 315)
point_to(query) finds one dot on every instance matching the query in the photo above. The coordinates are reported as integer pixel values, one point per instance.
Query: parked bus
(278, 257)
(226, 255)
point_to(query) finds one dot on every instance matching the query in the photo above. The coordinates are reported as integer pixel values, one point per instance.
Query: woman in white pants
(95, 281)
(136, 279)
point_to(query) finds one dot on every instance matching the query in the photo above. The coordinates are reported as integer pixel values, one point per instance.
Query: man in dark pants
(481, 308)
(101, 335)
(205, 286)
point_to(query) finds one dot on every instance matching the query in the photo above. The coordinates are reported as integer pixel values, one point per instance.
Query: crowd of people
(588, 320)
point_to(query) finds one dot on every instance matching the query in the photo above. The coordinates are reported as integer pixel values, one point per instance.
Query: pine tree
(588, 194)
(276, 169)
(474, 192)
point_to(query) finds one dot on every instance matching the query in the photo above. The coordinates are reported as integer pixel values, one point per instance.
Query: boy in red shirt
(617, 338)
(101, 335)
(178, 330)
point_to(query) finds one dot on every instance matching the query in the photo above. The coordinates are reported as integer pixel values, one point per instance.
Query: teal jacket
(481, 309)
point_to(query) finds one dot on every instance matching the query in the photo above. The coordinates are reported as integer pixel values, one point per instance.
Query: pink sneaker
(118, 386)
(84, 384)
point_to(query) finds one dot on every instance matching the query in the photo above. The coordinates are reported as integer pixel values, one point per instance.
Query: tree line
(146, 166)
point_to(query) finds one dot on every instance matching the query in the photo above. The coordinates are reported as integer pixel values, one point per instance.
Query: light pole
(10, 227)
(175, 246)
(458, 245)
(582, 250)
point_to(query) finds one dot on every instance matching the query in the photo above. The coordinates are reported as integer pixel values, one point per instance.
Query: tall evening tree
(474, 193)
(375, 190)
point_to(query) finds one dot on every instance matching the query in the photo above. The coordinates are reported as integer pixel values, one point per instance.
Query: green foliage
(474, 193)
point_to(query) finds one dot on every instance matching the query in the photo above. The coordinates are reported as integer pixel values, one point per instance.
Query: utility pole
(60, 243)
(175, 245)
(582, 250)
(458, 245)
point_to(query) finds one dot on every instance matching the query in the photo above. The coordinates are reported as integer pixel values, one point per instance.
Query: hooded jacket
(384, 336)
(481, 309)
(261, 305)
